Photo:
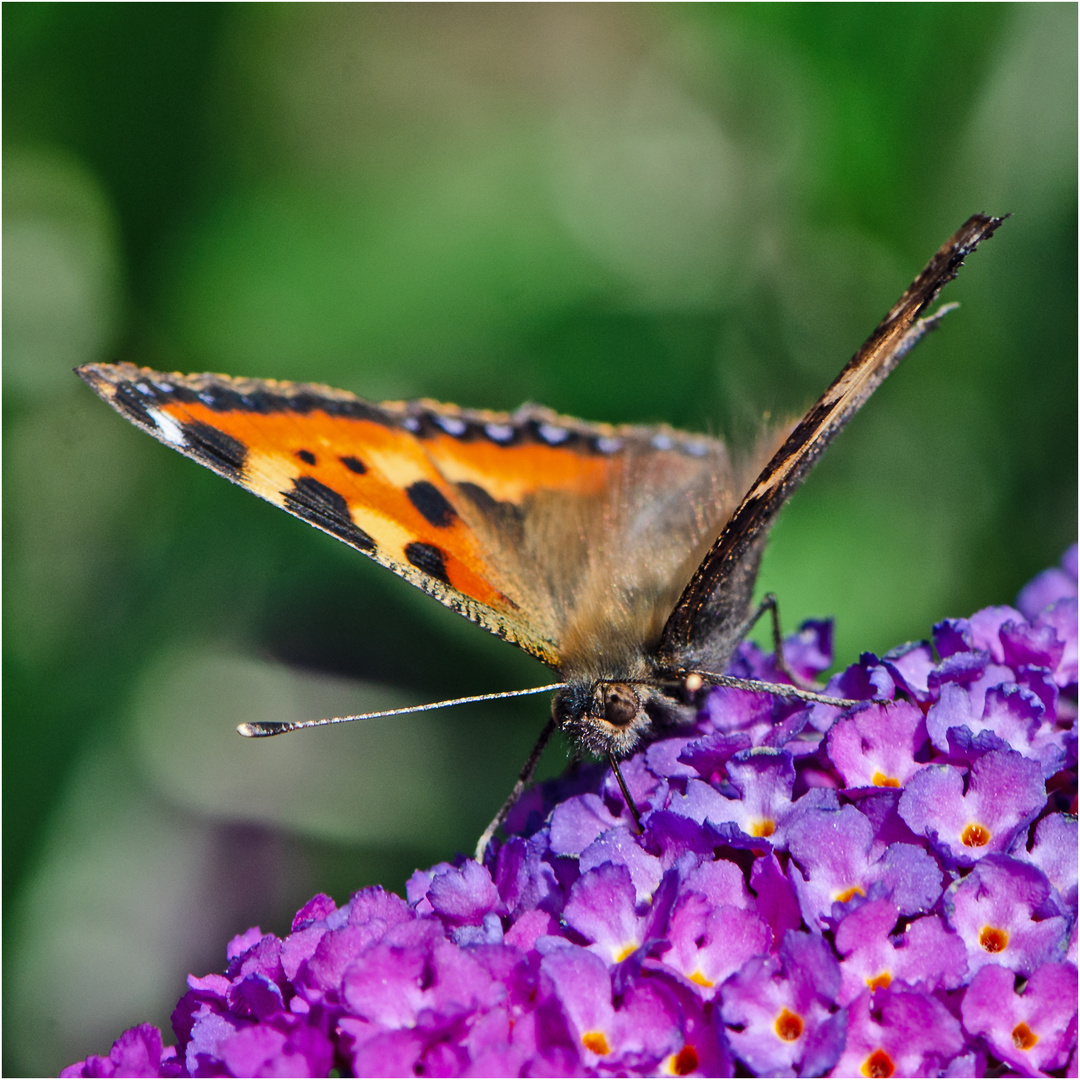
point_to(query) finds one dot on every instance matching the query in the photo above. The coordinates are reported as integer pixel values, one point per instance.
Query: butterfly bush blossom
(884, 890)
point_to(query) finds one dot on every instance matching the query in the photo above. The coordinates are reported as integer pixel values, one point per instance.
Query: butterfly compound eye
(621, 705)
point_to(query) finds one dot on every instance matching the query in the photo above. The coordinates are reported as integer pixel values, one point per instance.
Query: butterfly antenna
(735, 682)
(262, 728)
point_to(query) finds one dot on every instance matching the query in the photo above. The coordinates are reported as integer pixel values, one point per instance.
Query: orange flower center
(1023, 1037)
(685, 1061)
(993, 940)
(595, 1041)
(878, 1064)
(789, 1026)
(975, 836)
(847, 894)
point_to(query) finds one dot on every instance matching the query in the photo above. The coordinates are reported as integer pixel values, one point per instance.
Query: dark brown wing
(705, 626)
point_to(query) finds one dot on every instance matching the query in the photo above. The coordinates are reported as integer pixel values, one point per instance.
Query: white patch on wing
(452, 425)
(170, 430)
(499, 433)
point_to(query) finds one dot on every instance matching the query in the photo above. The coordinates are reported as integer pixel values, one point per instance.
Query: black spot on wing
(324, 507)
(431, 503)
(221, 452)
(353, 464)
(484, 500)
(306, 456)
(428, 559)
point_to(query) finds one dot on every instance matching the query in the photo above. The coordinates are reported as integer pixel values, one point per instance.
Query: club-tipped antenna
(259, 729)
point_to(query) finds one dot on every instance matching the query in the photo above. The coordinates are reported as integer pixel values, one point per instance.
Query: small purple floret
(876, 746)
(884, 890)
(898, 1032)
(138, 1052)
(1032, 1031)
(966, 817)
(1002, 913)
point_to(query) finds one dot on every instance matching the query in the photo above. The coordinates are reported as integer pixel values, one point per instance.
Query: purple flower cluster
(885, 890)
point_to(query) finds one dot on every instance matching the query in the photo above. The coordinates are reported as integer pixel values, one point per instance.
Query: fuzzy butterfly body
(622, 557)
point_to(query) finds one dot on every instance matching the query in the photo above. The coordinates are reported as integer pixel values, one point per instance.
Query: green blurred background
(631, 213)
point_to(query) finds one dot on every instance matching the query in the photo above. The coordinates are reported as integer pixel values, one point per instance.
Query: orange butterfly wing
(431, 491)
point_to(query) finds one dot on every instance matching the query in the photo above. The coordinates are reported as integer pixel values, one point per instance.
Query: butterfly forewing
(537, 526)
(356, 470)
(707, 622)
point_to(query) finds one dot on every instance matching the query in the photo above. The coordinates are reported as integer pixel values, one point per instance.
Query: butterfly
(623, 557)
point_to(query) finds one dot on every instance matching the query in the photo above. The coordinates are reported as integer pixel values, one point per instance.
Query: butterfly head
(605, 716)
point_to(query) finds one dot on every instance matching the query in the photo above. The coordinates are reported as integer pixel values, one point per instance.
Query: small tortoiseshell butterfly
(622, 557)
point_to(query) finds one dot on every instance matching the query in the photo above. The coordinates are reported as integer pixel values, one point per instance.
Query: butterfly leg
(523, 779)
(770, 604)
(631, 805)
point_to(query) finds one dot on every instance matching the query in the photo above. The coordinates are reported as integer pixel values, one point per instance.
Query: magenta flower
(898, 1032)
(1032, 1030)
(886, 890)
(1003, 914)
(925, 955)
(1004, 793)
(877, 746)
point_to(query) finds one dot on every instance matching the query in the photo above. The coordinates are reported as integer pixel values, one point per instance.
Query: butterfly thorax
(621, 560)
